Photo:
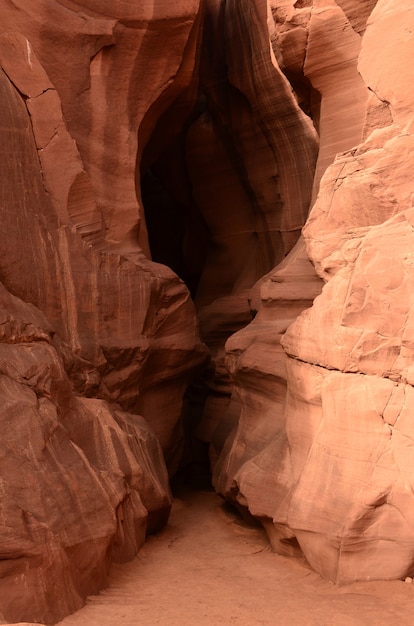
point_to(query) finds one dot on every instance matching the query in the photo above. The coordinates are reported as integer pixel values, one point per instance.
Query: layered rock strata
(189, 133)
(261, 150)
(81, 484)
(95, 335)
(325, 463)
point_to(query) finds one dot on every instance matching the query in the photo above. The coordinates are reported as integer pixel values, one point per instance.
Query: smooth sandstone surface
(328, 474)
(207, 191)
(97, 345)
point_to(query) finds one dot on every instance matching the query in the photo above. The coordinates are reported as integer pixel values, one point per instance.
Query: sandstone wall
(324, 457)
(93, 334)
(201, 134)
(261, 150)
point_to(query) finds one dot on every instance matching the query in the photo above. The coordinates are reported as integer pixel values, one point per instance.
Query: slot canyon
(193, 291)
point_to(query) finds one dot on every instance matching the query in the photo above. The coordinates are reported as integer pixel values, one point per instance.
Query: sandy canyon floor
(209, 567)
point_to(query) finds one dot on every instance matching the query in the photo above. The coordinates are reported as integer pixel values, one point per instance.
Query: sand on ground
(208, 567)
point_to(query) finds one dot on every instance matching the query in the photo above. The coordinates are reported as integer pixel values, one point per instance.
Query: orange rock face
(323, 457)
(95, 335)
(158, 153)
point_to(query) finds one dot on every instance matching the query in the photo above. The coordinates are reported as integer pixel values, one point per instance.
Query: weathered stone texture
(108, 335)
(81, 483)
(202, 133)
(261, 150)
(329, 475)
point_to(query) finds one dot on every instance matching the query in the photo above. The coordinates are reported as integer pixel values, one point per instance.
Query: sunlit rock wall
(324, 456)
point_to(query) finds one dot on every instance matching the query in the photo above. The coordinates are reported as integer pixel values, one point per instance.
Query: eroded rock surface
(145, 146)
(261, 149)
(98, 343)
(81, 483)
(326, 466)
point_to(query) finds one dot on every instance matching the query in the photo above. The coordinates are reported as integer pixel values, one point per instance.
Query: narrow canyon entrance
(219, 214)
(206, 221)
(225, 180)
(159, 271)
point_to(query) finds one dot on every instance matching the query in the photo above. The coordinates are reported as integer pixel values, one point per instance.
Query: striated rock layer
(145, 145)
(121, 313)
(261, 150)
(320, 451)
(97, 343)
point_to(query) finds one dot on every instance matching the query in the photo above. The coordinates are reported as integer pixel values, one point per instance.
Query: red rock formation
(329, 476)
(121, 314)
(294, 285)
(352, 455)
(260, 149)
(83, 481)
(318, 47)
(207, 113)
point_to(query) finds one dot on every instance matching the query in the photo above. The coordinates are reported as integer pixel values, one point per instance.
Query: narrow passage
(208, 567)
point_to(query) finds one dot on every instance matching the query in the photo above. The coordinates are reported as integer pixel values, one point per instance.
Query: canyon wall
(159, 165)
(98, 343)
(321, 448)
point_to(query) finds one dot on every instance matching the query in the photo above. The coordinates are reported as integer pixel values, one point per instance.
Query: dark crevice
(177, 235)
(301, 4)
(179, 238)
(308, 98)
(213, 215)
